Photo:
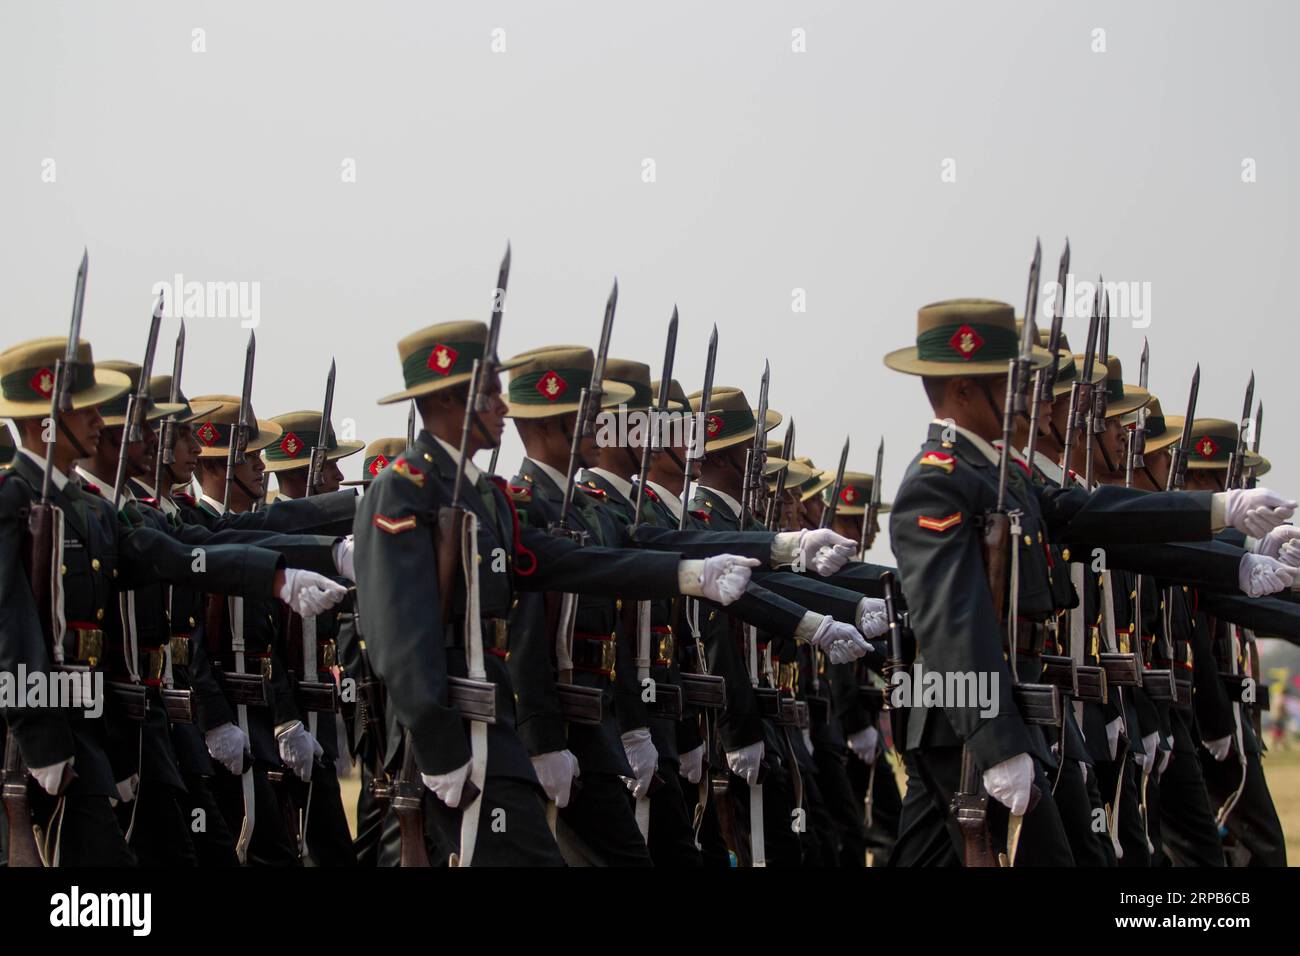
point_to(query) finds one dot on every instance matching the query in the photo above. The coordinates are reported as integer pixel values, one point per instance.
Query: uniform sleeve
(814, 593)
(44, 736)
(1210, 565)
(941, 565)
(693, 543)
(397, 595)
(149, 555)
(1115, 515)
(562, 565)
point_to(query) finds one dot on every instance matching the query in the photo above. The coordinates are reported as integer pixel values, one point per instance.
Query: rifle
(773, 517)
(873, 504)
(1237, 459)
(1259, 427)
(751, 489)
(410, 426)
(829, 512)
(898, 659)
(39, 559)
(137, 403)
(456, 532)
(166, 454)
(697, 439)
(1037, 703)
(1178, 465)
(1096, 412)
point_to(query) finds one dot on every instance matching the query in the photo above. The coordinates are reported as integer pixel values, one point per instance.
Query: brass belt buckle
(667, 647)
(151, 665)
(500, 628)
(327, 654)
(180, 648)
(786, 675)
(90, 645)
(266, 667)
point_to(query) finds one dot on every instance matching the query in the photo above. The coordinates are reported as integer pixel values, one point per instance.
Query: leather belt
(1030, 637)
(594, 653)
(87, 644)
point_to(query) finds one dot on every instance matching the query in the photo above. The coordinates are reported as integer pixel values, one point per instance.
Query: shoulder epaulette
(519, 495)
(183, 496)
(650, 493)
(939, 459)
(593, 490)
(90, 489)
(412, 473)
(702, 515)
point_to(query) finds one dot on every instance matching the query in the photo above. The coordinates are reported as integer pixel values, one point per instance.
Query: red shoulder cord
(520, 550)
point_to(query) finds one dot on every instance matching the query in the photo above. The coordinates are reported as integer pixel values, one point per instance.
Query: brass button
(191, 622)
(94, 563)
(1065, 554)
(99, 615)
(516, 697)
(1040, 537)
(1028, 541)
(507, 657)
(63, 569)
(618, 604)
(428, 457)
(115, 572)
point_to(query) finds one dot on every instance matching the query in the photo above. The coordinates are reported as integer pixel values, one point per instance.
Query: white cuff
(690, 577)
(808, 626)
(785, 546)
(1218, 508)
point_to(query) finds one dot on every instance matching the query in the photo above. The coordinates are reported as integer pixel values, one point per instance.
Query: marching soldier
(962, 353)
(413, 631)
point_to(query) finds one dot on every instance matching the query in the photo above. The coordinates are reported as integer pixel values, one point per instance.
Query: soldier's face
(140, 454)
(252, 473)
(186, 454)
(1157, 463)
(85, 425)
(1205, 479)
(848, 525)
(812, 511)
(1115, 440)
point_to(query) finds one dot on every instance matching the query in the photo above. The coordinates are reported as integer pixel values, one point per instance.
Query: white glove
(720, 579)
(1010, 782)
(309, 593)
(807, 741)
(1148, 755)
(1289, 552)
(1166, 755)
(343, 558)
(865, 744)
(822, 550)
(128, 788)
(744, 763)
(692, 767)
(447, 787)
(227, 744)
(51, 778)
(1112, 736)
(643, 757)
(1259, 576)
(872, 619)
(1254, 511)
(298, 748)
(1220, 748)
(841, 642)
(555, 771)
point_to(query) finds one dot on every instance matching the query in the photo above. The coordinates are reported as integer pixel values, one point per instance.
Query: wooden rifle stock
(18, 814)
(408, 804)
(970, 806)
(995, 542)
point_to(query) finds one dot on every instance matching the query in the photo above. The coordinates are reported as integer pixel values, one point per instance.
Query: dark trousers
(923, 838)
(214, 844)
(512, 828)
(1131, 830)
(781, 843)
(672, 835)
(876, 781)
(842, 805)
(329, 841)
(1188, 834)
(1084, 827)
(1253, 822)
(370, 821)
(87, 831)
(600, 815)
(1043, 841)
(271, 843)
(160, 830)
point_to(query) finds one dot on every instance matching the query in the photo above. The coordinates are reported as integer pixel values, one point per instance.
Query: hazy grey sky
(774, 170)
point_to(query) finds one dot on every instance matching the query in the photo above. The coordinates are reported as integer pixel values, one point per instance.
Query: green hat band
(1156, 426)
(1114, 390)
(549, 386)
(851, 495)
(724, 424)
(1211, 448)
(642, 397)
(968, 341)
(118, 406)
(214, 434)
(1066, 370)
(440, 360)
(37, 384)
(296, 445)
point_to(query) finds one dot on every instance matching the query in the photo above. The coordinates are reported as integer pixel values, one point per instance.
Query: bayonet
(751, 489)
(61, 392)
(1237, 460)
(410, 425)
(166, 454)
(773, 517)
(243, 428)
(698, 430)
(319, 451)
(1254, 447)
(1103, 358)
(137, 402)
(1137, 436)
(654, 437)
(828, 513)
(1178, 466)
(873, 504)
